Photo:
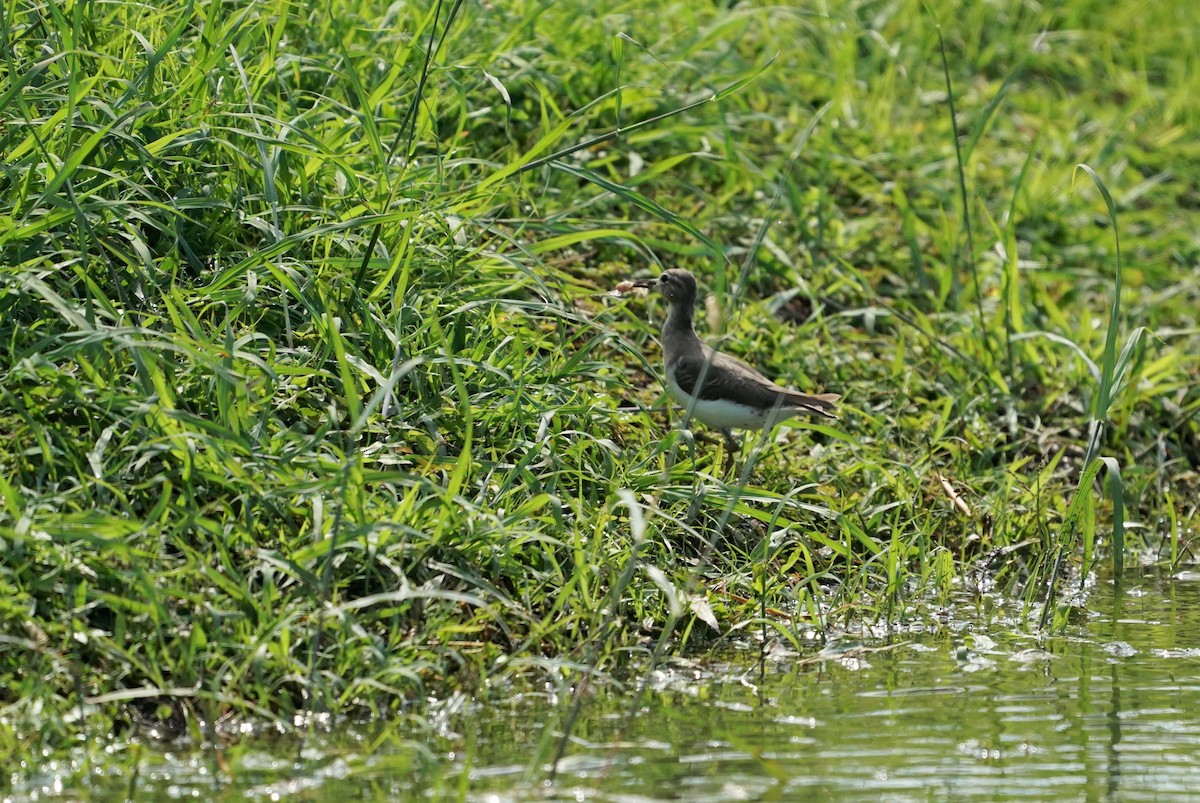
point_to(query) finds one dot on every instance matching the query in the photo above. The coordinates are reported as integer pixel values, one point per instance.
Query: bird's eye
(663, 279)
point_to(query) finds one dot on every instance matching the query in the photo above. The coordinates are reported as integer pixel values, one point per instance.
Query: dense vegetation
(314, 397)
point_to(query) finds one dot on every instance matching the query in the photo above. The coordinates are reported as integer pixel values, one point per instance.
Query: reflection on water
(964, 710)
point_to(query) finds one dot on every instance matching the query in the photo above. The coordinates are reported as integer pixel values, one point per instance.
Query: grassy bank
(314, 398)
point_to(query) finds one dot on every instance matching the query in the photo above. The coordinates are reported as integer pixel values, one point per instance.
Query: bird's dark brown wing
(724, 377)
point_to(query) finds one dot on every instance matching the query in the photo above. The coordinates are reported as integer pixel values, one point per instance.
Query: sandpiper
(722, 391)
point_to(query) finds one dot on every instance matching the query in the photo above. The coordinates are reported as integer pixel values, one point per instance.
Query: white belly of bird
(725, 414)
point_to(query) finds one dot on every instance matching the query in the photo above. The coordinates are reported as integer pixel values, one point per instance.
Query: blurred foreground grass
(314, 399)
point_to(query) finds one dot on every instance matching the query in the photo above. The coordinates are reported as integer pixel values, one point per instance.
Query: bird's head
(677, 285)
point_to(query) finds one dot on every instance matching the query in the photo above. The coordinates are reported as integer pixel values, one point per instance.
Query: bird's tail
(819, 403)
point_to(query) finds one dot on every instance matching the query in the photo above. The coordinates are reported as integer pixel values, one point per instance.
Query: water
(959, 710)
(1107, 710)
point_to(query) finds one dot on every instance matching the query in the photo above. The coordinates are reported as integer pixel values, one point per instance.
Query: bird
(716, 388)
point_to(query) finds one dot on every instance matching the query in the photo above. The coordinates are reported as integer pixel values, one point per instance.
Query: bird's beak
(645, 283)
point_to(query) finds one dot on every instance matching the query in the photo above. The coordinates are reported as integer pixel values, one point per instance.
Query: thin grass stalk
(408, 126)
(1013, 313)
(962, 189)
(1110, 368)
(620, 131)
(1103, 396)
(324, 598)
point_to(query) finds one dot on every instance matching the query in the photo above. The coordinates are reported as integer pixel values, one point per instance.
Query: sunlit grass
(315, 400)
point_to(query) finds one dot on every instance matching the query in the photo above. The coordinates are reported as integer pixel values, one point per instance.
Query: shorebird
(721, 391)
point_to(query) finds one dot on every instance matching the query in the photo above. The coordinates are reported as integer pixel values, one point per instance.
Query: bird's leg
(731, 449)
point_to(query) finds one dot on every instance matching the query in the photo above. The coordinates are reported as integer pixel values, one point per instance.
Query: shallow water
(960, 710)
(1109, 709)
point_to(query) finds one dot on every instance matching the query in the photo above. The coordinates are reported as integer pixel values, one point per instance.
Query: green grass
(315, 401)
